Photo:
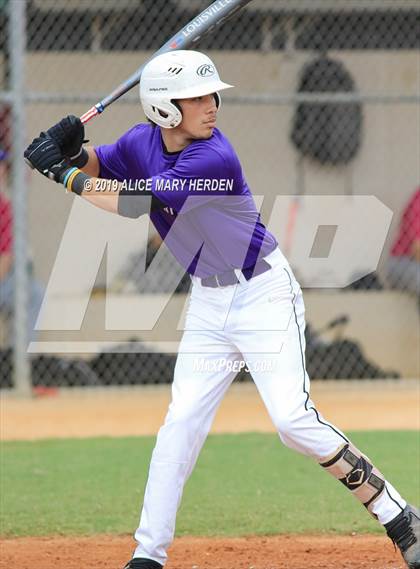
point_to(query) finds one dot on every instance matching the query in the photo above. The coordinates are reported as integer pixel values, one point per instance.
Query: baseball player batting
(245, 304)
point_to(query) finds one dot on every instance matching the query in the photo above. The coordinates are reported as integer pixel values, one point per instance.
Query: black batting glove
(45, 155)
(69, 134)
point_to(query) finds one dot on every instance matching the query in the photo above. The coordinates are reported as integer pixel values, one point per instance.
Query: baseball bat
(199, 27)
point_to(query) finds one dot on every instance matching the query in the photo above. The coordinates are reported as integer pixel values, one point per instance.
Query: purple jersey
(201, 204)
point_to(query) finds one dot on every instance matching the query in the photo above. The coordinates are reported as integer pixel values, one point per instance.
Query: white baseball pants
(262, 322)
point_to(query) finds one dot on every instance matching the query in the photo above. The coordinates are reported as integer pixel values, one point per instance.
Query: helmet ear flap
(177, 105)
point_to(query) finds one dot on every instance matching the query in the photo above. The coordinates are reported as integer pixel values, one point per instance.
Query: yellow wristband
(71, 178)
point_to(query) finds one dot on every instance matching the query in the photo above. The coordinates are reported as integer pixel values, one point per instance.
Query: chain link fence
(325, 119)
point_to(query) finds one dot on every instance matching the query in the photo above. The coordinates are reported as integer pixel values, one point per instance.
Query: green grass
(243, 484)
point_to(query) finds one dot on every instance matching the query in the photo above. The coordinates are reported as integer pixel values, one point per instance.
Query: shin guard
(357, 473)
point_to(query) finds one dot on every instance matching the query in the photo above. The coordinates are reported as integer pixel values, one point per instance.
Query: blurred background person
(403, 268)
(35, 289)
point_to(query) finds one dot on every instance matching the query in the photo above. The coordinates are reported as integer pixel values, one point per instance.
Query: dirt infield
(278, 552)
(384, 405)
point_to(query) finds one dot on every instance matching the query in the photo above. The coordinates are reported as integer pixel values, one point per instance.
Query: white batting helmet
(181, 74)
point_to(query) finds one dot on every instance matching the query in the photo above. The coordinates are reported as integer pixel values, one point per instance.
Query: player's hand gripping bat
(202, 25)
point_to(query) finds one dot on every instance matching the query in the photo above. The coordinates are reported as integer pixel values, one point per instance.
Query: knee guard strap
(357, 473)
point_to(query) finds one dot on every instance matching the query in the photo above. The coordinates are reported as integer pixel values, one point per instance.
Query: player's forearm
(97, 191)
(102, 193)
(92, 165)
(108, 195)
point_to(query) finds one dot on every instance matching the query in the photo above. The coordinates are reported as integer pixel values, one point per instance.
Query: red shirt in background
(409, 230)
(5, 225)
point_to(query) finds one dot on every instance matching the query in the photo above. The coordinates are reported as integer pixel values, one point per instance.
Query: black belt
(230, 278)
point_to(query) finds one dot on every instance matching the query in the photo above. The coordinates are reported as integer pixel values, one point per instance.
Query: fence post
(17, 46)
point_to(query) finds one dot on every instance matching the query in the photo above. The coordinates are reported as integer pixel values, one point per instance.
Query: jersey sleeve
(113, 158)
(200, 175)
(115, 163)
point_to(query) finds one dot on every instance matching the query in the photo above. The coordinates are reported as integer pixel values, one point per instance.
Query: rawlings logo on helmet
(206, 70)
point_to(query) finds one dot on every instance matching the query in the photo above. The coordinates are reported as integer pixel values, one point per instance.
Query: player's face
(198, 116)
